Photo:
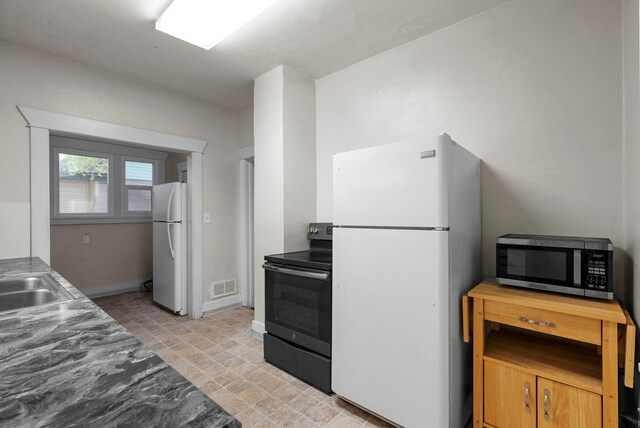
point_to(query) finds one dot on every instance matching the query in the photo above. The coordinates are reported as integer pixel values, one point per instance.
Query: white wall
(631, 155)
(46, 82)
(268, 237)
(531, 87)
(246, 127)
(284, 135)
(631, 161)
(299, 159)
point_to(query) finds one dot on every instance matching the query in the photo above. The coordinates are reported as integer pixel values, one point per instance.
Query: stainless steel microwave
(564, 264)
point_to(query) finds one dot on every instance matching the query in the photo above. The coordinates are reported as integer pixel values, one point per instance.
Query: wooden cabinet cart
(557, 368)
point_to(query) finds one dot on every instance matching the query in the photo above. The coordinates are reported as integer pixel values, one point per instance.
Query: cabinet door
(509, 397)
(563, 406)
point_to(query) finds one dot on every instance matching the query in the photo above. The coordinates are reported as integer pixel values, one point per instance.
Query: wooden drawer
(574, 327)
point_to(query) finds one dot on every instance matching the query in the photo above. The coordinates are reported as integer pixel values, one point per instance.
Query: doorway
(43, 123)
(247, 183)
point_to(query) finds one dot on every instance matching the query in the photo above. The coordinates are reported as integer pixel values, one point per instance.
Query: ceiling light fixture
(205, 23)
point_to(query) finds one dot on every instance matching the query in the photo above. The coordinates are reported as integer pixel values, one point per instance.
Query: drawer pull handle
(546, 404)
(526, 397)
(538, 323)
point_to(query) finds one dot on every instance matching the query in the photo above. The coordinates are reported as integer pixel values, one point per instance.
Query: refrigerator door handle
(173, 254)
(169, 205)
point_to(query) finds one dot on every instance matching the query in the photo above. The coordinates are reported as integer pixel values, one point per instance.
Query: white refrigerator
(406, 246)
(169, 204)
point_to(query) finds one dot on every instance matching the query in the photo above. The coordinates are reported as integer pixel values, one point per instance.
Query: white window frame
(124, 188)
(55, 207)
(118, 202)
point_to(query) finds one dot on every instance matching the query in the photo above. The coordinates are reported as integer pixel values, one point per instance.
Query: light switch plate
(86, 238)
(207, 218)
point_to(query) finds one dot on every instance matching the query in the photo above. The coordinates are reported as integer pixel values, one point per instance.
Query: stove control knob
(310, 230)
(315, 230)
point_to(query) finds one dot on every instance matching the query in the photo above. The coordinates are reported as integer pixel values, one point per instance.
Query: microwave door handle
(285, 271)
(577, 264)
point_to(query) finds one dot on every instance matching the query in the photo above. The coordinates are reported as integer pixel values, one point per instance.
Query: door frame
(44, 123)
(246, 225)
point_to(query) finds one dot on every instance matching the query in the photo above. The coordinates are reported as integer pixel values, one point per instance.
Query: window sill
(67, 221)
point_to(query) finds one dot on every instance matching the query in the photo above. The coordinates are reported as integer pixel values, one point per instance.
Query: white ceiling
(314, 37)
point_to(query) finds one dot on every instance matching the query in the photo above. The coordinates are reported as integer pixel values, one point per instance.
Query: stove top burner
(320, 260)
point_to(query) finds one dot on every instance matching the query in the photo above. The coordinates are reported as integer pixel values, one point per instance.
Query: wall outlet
(86, 238)
(207, 218)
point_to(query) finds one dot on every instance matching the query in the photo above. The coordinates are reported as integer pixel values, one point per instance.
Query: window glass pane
(138, 173)
(83, 184)
(139, 200)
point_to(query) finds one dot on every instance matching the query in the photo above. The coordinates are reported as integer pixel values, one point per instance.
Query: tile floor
(221, 357)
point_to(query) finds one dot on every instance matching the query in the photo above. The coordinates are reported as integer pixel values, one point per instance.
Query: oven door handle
(304, 274)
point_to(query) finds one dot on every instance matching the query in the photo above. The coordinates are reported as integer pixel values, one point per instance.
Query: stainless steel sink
(32, 291)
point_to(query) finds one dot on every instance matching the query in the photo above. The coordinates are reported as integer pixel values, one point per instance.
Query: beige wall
(532, 87)
(171, 166)
(117, 254)
(46, 82)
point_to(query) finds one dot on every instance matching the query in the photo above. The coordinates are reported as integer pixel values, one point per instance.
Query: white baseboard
(257, 329)
(222, 304)
(111, 289)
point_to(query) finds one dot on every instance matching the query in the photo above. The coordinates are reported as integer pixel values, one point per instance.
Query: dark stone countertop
(71, 364)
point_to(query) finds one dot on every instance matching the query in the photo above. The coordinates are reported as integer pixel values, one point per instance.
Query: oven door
(298, 306)
(548, 268)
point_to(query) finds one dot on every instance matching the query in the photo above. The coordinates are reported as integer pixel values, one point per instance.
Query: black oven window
(547, 265)
(297, 307)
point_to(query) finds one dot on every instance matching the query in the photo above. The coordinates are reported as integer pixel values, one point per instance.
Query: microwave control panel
(598, 269)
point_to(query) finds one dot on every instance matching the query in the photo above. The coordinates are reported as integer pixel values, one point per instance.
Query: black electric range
(319, 259)
(298, 309)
